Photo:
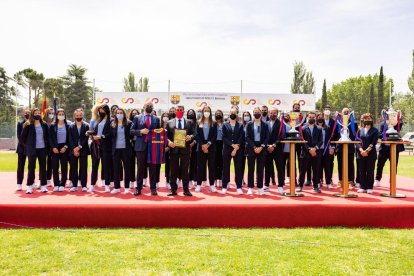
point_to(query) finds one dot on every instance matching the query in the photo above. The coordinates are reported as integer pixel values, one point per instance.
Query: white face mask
(206, 114)
(51, 116)
(327, 112)
(60, 117)
(165, 119)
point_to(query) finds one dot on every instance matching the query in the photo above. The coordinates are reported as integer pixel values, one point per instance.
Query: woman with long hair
(132, 161)
(246, 118)
(219, 148)
(192, 173)
(94, 148)
(49, 118)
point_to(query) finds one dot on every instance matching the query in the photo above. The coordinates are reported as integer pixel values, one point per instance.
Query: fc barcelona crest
(175, 99)
(235, 100)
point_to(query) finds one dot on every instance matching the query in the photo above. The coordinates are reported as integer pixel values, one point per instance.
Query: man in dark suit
(275, 150)
(330, 123)
(141, 126)
(179, 157)
(310, 153)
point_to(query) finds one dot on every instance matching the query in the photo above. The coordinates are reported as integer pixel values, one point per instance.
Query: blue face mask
(246, 118)
(120, 116)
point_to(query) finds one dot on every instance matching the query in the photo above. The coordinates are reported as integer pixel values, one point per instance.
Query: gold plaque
(179, 138)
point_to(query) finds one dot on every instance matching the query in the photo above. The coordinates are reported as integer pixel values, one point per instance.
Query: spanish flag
(44, 107)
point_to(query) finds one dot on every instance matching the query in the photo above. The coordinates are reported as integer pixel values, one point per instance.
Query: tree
(372, 105)
(324, 95)
(303, 80)
(7, 105)
(53, 88)
(411, 79)
(380, 103)
(143, 84)
(131, 86)
(31, 79)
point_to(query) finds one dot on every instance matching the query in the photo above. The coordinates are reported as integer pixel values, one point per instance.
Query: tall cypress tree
(324, 95)
(371, 103)
(380, 97)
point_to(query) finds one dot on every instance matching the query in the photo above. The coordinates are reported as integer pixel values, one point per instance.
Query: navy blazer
(105, 142)
(201, 139)
(139, 123)
(264, 137)
(53, 135)
(230, 137)
(29, 138)
(383, 147)
(274, 137)
(128, 137)
(189, 128)
(314, 140)
(76, 139)
(20, 144)
(368, 139)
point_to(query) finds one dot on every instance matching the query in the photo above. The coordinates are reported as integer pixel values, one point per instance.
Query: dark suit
(121, 154)
(59, 157)
(141, 149)
(179, 157)
(79, 139)
(256, 159)
(28, 137)
(21, 156)
(314, 140)
(206, 158)
(105, 147)
(231, 137)
(367, 164)
(276, 155)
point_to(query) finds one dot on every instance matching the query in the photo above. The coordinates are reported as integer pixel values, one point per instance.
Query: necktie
(147, 122)
(179, 124)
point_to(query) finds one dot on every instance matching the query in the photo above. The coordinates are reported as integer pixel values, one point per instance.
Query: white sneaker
(239, 191)
(361, 191)
(223, 191)
(330, 186)
(56, 189)
(70, 184)
(280, 190)
(61, 189)
(73, 189)
(198, 188)
(126, 191)
(261, 191)
(91, 189)
(250, 191)
(115, 191)
(49, 183)
(84, 189)
(29, 190)
(102, 183)
(19, 187)
(377, 183)
(213, 189)
(107, 189)
(44, 189)
(370, 191)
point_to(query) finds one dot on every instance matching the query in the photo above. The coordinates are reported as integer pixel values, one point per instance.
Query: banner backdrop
(217, 100)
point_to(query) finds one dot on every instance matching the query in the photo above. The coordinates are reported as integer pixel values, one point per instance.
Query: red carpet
(204, 209)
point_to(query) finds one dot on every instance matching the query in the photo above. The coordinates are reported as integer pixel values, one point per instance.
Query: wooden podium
(292, 166)
(393, 167)
(345, 184)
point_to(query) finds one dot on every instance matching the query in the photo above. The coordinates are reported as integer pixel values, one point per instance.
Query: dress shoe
(173, 193)
(154, 192)
(188, 193)
(317, 190)
(137, 192)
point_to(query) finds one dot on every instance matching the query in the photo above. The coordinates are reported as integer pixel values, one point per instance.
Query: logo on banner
(235, 100)
(249, 101)
(154, 100)
(201, 104)
(102, 100)
(274, 102)
(301, 102)
(175, 99)
(127, 100)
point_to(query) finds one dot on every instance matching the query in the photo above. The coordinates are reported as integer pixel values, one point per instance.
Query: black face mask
(172, 115)
(233, 116)
(264, 113)
(219, 117)
(79, 119)
(36, 117)
(367, 123)
(190, 116)
(257, 115)
(27, 116)
(148, 109)
(311, 121)
(296, 110)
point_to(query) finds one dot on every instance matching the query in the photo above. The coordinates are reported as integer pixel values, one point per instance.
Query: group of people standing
(131, 148)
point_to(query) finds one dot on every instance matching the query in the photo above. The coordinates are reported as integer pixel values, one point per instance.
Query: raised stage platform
(205, 209)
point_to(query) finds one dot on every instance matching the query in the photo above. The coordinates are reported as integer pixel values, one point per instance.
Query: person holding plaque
(257, 138)
(180, 133)
(367, 154)
(141, 127)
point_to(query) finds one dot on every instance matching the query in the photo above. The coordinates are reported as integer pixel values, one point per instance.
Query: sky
(209, 45)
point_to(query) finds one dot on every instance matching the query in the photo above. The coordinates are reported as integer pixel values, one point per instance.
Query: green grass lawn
(330, 251)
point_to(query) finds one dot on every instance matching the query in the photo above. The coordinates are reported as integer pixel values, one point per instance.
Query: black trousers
(326, 162)
(179, 164)
(309, 173)
(107, 167)
(39, 155)
(49, 166)
(278, 159)
(62, 160)
(167, 167)
(157, 172)
(366, 173)
(95, 168)
(79, 169)
(21, 162)
(351, 166)
(204, 161)
(259, 160)
(269, 170)
(244, 157)
(192, 174)
(132, 166)
(315, 165)
(143, 166)
(219, 160)
(238, 165)
(383, 156)
(121, 160)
